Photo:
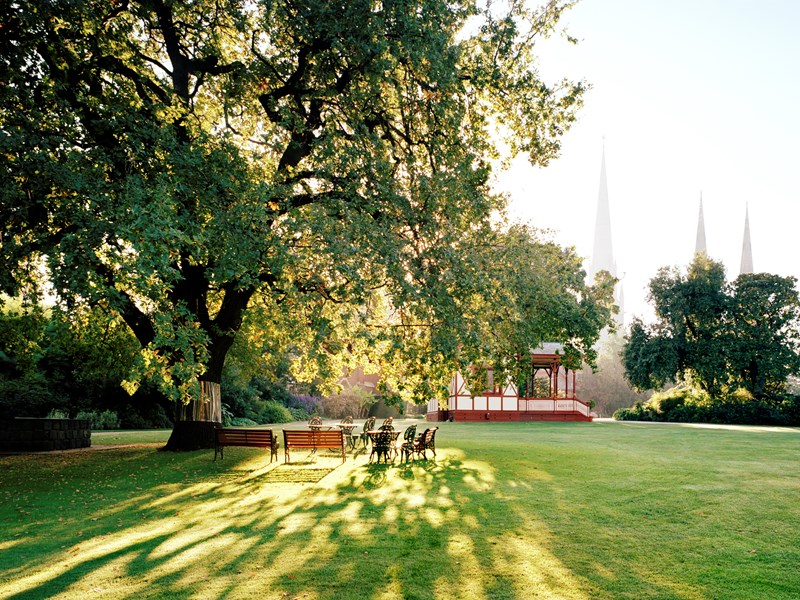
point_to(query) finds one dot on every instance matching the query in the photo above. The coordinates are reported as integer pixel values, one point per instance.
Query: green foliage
(106, 419)
(57, 414)
(679, 404)
(299, 414)
(637, 413)
(183, 163)
(765, 324)
(274, 412)
(688, 405)
(21, 337)
(650, 360)
(147, 416)
(537, 293)
(540, 295)
(28, 396)
(257, 401)
(717, 336)
(71, 362)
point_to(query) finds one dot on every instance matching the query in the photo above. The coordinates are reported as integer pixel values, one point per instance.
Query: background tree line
(733, 347)
(75, 365)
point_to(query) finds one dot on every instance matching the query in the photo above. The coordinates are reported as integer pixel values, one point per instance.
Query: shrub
(676, 404)
(144, 417)
(622, 414)
(135, 421)
(664, 404)
(637, 413)
(29, 396)
(260, 400)
(107, 419)
(271, 390)
(227, 415)
(789, 409)
(685, 413)
(299, 414)
(241, 422)
(274, 412)
(310, 404)
(240, 399)
(688, 405)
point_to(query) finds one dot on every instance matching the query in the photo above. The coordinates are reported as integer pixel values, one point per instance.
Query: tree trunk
(195, 422)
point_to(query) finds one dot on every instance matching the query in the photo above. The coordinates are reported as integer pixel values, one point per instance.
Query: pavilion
(547, 394)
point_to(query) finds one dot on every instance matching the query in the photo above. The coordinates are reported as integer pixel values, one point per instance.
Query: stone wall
(39, 435)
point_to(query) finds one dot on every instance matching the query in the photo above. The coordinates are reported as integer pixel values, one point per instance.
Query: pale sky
(690, 96)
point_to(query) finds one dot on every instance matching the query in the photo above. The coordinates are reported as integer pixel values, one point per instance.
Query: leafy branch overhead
(181, 162)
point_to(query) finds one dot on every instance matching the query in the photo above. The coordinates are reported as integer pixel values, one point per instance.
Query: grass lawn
(508, 510)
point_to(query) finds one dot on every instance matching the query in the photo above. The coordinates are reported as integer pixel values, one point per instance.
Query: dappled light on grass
(505, 512)
(533, 569)
(232, 529)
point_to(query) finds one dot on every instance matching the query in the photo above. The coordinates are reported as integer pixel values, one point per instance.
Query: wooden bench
(259, 438)
(313, 439)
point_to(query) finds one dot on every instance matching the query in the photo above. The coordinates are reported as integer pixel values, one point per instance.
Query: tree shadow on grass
(240, 528)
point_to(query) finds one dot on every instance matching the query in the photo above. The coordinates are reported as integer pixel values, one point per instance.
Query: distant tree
(688, 337)
(717, 335)
(764, 323)
(539, 294)
(73, 363)
(650, 360)
(525, 290)
(21, 338)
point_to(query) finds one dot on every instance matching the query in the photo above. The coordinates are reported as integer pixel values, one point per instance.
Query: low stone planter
(40, 435)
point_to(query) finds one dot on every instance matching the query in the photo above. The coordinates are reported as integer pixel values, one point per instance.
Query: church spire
(700, 243)
(603, 254)
(747, 251)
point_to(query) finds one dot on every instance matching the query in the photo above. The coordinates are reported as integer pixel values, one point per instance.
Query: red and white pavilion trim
(549, 394)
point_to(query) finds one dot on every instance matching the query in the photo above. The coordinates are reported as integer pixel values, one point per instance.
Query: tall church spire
(700, 244)
(603, 254)
(747, 251)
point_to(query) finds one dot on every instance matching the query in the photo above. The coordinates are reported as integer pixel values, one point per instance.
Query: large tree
(715, 334)
(177, 161)
(687, 338)
(537, 293)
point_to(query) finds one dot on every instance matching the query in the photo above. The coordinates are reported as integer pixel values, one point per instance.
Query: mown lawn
(518, 511)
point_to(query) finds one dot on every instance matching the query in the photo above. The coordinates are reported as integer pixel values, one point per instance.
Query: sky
(688, 98)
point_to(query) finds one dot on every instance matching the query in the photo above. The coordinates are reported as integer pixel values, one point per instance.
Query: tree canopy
(715, 334)
(181, 162)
